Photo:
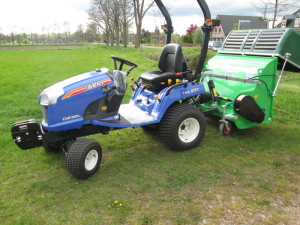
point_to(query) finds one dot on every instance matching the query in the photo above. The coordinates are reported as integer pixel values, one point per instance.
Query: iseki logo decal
(87, 88)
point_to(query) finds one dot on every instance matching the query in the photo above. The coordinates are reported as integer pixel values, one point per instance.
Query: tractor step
(129, 116)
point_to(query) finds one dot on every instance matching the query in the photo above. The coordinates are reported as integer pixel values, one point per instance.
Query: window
(297, 21)
(283, 22)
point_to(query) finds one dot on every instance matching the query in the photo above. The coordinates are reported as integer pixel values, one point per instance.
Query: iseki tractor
(90, 103)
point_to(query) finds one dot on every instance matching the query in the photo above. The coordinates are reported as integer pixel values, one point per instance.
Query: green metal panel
(235, 75)
(264, 42)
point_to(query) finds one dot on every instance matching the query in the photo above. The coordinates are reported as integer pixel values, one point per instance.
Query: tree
(25, 39)
(13, 32)
(139, 12)
(273, 8)
(79, 35)
(126, 17)
(191, 29)
(67, 26)
(116, 11)
(197, 36)
(100, 14)
(188, 38)
(193, 35)
(175, 38)
(146, 36)
(93, 33)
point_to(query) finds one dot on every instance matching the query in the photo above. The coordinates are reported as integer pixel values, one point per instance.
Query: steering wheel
(123, 61)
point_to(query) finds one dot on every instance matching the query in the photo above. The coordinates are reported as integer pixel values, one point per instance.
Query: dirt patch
(38, 47)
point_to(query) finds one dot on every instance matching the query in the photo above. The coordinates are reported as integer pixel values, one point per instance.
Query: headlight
(49, 97)
(44, 100)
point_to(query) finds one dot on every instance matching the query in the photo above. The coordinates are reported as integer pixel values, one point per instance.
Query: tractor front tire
(182, 127)
(83, 158)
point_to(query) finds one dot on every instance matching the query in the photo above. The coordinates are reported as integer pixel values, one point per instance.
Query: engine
(73, 102)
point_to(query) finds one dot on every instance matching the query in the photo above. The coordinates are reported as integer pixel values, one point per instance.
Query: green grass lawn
(250, 177)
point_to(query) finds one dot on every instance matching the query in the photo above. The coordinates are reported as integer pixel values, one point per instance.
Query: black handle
(123, 61)
(174, 86)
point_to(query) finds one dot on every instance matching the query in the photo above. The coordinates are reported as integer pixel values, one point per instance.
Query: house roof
(228, 21)
(290, 19)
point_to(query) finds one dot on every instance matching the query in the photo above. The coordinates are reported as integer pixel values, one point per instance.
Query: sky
(31, 16)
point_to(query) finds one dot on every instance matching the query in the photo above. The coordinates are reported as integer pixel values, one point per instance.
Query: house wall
(217, 34)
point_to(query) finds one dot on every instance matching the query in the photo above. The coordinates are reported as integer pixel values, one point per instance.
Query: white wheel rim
(188, 130)
(91, 160)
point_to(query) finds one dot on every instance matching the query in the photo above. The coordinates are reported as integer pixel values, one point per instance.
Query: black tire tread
(170, 116)
(74, 158)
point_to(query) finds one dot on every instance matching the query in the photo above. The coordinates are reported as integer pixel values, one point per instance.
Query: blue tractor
(90, 103)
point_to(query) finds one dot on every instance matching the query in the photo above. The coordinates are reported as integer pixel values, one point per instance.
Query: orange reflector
(209, 21)
(157, 98)
(145, 85)
(178, 74)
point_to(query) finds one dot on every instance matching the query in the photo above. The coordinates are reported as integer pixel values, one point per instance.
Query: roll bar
(205, 39)
(164, 11)
(206, 28)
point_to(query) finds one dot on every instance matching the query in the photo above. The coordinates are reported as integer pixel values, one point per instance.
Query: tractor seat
(171, 61)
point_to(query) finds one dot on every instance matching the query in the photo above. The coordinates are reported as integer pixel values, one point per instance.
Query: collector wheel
(225, 130)
(83, 158)
(182, 127)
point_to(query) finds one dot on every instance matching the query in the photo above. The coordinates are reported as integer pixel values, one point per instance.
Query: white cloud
(32, 15)
(180, 23)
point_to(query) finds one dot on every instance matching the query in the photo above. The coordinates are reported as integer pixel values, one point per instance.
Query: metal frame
(206, 32)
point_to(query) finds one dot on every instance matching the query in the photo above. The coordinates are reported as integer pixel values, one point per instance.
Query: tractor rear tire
(182, 127)
(83, 158)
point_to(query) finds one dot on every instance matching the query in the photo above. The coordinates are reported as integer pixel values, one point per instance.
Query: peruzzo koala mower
(242, 77)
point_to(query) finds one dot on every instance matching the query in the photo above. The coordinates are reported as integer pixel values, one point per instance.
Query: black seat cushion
(157, 77)
(150, 75)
